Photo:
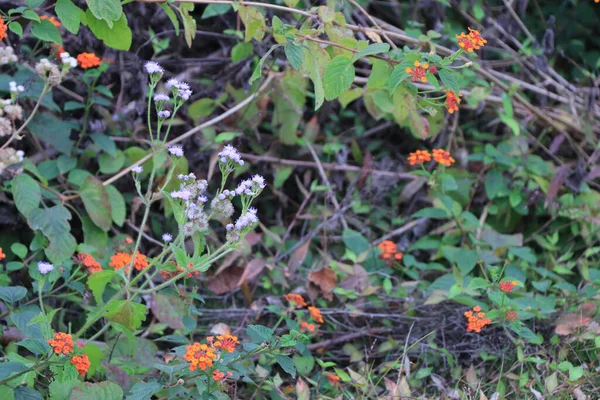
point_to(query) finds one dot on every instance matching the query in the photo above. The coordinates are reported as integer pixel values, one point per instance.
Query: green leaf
(66, 163)
(19, 250)
(338, 77)
(226, 137)
(494, 184)
(450, 79)
(575, 373)
(372, 49)
(53, 130)
(241, 50)
(9, 368)
(349, 96)
(54, 224)
(16, 28)
(26, 393)
(294, 54)
(26, 193)
(117, 205)
(257, 73)
(259, 333)
(105, 143)
(12, 294)
(69, 14)
(107, 10)
(398, 75)
(111, 164)
(202, 108)
(213, 10)
(97, 283)
(172, 16)
(126, 313)
(35, 346)
(169, 309)
(465, 259)
(189, 23)
(118, 35)
(355, 241)
(254, 22)
(431, 212)
(287, 364)
(511, 123)
(97, 391)
(33, 3)
(478, 283)
(97, 202)
(144, 390)
(44, 30)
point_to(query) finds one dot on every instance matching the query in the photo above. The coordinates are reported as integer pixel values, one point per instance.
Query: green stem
(149, 108)
(88, 107)
(42, 364)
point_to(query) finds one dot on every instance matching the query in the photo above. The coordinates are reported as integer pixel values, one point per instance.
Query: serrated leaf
(398, 75)
(372, 49)
(26, 193)
(259, 333)
(254, 22)
(118, 208)
(118, 35)
(54, 224)
(69, 14)
(35, 346)
(169, 309)
(144, 390)
(450, 79)
(127, 313)
(287, 364)
(97, 391)
(107, 10)
(338, 77)
(45, 30)
(97, 283)
(12, 294)
(294, 54)
(97, 202)
(257, 73)
(213, 10)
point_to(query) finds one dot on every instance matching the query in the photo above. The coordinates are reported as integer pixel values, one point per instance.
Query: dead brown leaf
(569, 324)
(297, 257)
(302, 390)
(588, 309)
(357, 281)
(226, 281)
(472, 377)
(220, 329)
(326, 280)
(252, 270)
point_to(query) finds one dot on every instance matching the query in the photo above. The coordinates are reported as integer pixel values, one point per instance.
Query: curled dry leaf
(571, 323)
(326, 280)
(220, 329)
(297, 257)
(252, 270)
(226, 281)
(302, 390)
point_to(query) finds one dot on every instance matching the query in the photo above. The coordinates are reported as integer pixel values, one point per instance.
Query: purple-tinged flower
(181, 194)
(177, 151)
(161, 97)
(202, 199)
(153, 67)
(164, 114)
(45, 267)
(230, 153)
(137, 168)
(167, 237)
(229, 227)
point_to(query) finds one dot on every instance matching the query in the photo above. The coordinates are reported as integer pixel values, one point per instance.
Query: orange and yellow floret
(295, 299)
(419, 157)
(512, 316)
(471, 41)
(443, 157)
(315, 313)
(389, 251)
(200, 356)
(476, 320)
(52, 20)
(81, 363)
(219, 376)
(89, 262)
(507, 286)
(452, 101)
(3, 29)
(120, 260)
(2, 255)
(62, 343)
(226, 342)
(419, 72)
(333, 379)
(88, 60)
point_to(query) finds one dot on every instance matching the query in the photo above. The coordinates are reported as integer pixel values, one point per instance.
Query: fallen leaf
(472, 377)
(168, 357)
(302, 390)
(226, 281)
(482, 396)
(297, 257)
(579, 395)
(404, 388)
(220, 329)
(326, 280)
(588, 309)
(357, 281)
(569, 324)
(374, 36)
(252, 270)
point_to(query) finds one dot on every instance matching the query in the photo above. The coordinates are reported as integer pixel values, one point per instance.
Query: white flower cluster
(153, 68)
(68, 60)
(13, 111)
(187, 177)
(48, 71)
(192, 192)
(14, 88)
(177, 151)
(243, 224)
(137, 168)
(161, 98)
(180, 89)
(165, 114)
(10, 156)
(251, 187)
(45, 267)
(221, 207)
(7, 55)
(6, 127)
(230, 153)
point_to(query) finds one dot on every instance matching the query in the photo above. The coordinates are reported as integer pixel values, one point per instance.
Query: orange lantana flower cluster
(512, 316)
(219, 376)
(315, 313)
(3, 29)
(443, 157)
(452, 101)
(62, 343)
(52, 20)
(81, 363)
(305, 326)
(226, 342)
(333, 379)
(88, 60)
(121, 259)
(419, 157)
(476, 320)
(200, 356)
(169, 275)
(419, 72)
(89, 262)
(507, 286)
(295, 299)
(471, 41)
(389, 251)
(2, 255)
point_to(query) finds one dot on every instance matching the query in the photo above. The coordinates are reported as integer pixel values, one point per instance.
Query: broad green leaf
(111, 164)
(97, 283)
(450, 79)
(398, 75)
(257, 73)
(259, 333)
(97, 202)
(45, 30)
(169, 309)
(349, 96)
(478, 283)
(431, 212)
(9, 368)
(126, 313)
(107, 10)
(35, 346)
(213, 10)
(54, 224)
(287, 364)
(372, 49)
(69, 14)
(16, 28)
(202, 108)
(254, 22)
(294, 54)
(511, 123)
(241, 50)
(494, 184)
(338, 77)
(105, 143)
(355, 241)
(65, 163)
(53, 130)
(465, 259)
(97, 391)
(26, 193)
(27, 393)
(118, 35)
(12, 294)
(19, 250)
(118, 208)
(172, 16)
(144, 390)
